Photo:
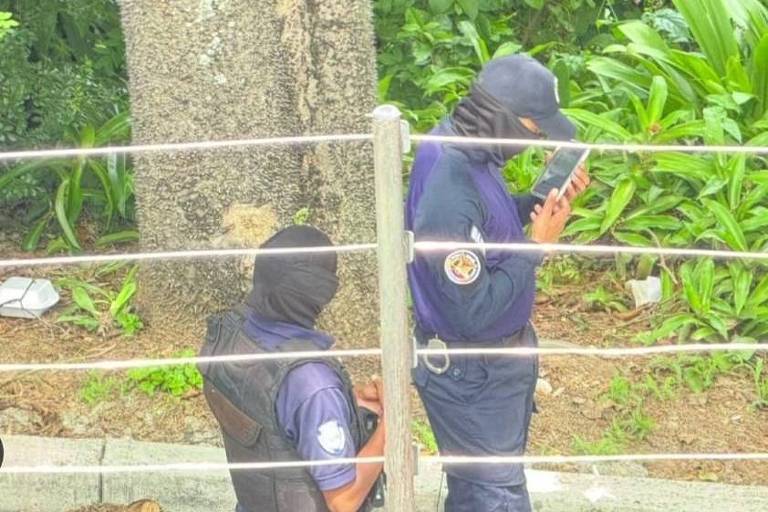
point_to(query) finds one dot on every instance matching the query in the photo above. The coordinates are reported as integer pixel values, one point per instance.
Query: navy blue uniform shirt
(458, 194)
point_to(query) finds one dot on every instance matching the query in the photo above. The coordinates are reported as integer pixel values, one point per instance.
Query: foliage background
(682, 71)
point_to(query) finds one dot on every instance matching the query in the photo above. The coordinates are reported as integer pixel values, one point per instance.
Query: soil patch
(719, 419)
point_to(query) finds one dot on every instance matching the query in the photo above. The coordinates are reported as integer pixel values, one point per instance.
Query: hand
(578, 184)
(371, 395)
(548, 220)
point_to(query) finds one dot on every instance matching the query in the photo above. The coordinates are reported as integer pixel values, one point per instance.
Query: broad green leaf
(731, 232)
(704, 274)
(536, 4)
(61, 214)
(718, 324)
(84, 301)
(448, 77)
(760, 75)
(470, 32)
(760, 294)
(690, 287)
(32, 239)
(742, 283)
(606, 125)
(121, 237)
(619, 200)
(633, 239)
(470, 8)
(440, 6)
(629, 77)
(713, 186)
(737, 169)
(577, 226)
(507, 48)
(652, 222)
(712, 29)
(660, 205)
(122, 298)
(757, 222)
(656, 100)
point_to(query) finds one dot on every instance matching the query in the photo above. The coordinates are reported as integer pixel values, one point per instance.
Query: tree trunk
(231, 69)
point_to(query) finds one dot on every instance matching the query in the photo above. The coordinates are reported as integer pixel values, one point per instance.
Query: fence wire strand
(437, 459)
(629, 148)
(175, 255)
(181, 146)
(373, 352)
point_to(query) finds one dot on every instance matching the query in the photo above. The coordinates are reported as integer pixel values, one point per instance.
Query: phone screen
(558, 172)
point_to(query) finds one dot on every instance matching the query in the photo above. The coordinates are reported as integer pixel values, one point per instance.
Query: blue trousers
(466, 496)
(482, 406)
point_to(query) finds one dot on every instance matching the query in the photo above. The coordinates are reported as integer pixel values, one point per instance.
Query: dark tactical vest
(242, 397)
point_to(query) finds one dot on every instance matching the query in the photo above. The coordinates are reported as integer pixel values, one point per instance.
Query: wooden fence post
(397, 350)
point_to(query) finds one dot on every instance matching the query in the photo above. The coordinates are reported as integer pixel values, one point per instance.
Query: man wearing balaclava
(482, 406)
(288, 410)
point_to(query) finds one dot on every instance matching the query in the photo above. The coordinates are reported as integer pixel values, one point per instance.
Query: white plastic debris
(647, 291)
(23, 297)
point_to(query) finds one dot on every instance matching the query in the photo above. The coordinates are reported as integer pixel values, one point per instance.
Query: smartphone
(559, 171)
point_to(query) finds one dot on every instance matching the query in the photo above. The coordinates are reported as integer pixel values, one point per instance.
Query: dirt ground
(717, 420)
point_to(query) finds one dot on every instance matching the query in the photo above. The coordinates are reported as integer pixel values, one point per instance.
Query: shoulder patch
(462, 267)
(331, 437)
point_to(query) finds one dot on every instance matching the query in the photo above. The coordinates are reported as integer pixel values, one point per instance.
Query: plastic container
(645, 292)
(23, 297)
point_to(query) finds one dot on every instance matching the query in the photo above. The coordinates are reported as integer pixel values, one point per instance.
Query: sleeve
(474, 294)
(525, 204)
(321, 429)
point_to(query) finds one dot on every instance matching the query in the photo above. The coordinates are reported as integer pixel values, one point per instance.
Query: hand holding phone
(559, 172)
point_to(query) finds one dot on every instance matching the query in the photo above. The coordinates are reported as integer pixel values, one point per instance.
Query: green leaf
(508, 48)
(736, 169)
(689, 287)
(470, 32)
(711, 27)
(61, 214)
(440, 6)
(742, 283)
(656, 101)
(606, 125)
(704, 275)
(634, 239)
(760, 75)
(760, 294)
(619, 200)
(470, 8)
(32, 240)
(731, 232)
(84, 301)
(128, 290)
(121, 237)
(652, 222)
(536, 4)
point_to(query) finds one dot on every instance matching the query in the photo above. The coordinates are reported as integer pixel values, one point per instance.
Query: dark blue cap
(527, 89)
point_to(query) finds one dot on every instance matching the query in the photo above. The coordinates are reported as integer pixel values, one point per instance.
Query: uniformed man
(288, 410)
(481, 406)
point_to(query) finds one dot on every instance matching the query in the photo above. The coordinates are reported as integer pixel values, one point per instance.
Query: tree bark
(231, 69)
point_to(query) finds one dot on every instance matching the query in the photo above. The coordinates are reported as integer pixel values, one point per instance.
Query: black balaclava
(294, 288)
(507, 89)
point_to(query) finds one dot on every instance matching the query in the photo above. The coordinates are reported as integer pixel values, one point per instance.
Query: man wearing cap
(482, 405)
(282, 410)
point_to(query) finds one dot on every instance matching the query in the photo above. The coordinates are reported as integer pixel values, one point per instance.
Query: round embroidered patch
(462, 267)
(331, 437)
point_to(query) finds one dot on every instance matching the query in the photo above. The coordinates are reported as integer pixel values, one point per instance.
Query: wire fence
(419, 247)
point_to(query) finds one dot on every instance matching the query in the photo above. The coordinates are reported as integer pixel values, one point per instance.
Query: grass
(98, 388)
(424, 436)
